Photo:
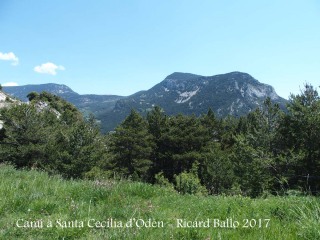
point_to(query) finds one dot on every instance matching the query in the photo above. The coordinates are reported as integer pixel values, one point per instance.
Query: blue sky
(121, 47)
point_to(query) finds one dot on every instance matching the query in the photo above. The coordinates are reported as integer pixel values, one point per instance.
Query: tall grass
(33, 195)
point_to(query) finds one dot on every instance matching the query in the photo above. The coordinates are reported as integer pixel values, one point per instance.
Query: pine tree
(217, 171)
(75, 149)
(300, 134)
(213, 125)
(33, 96)
(183, 143)
(131, 146)
(250, 171)
(157, 126)
(37, 136)
(26, 135)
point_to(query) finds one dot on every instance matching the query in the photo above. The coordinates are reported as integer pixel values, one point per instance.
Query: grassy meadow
(34, 205)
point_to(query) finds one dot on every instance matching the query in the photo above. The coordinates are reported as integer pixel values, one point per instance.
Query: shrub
(161, 180)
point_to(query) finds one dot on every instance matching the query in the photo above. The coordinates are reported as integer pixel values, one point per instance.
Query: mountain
(21, 92)
(234, 93)
(87, 103)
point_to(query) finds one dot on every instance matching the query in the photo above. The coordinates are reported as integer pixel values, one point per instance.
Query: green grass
(32, 195)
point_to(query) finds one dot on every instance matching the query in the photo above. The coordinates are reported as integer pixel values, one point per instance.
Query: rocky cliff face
(5, 101)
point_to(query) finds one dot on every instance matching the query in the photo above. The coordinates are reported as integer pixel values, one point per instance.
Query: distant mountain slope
(234, 93)
(88, 103)
(21, 92)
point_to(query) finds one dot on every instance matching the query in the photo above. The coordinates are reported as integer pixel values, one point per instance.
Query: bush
(188, 183)
(161, 180)
(97, 174)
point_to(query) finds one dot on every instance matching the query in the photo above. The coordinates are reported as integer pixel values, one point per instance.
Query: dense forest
(268, 151)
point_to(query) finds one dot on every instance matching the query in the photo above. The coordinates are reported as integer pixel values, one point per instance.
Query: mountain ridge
(235, 93)
(181, 88)
(86, 103)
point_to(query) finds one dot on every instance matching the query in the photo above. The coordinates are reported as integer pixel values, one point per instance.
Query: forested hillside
(268, 151)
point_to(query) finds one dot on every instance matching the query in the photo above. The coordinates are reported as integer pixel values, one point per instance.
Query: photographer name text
(145, 223)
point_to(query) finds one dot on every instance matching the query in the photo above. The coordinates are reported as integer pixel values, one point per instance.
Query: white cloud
(10, 84)
(9, 57)
(48, 68)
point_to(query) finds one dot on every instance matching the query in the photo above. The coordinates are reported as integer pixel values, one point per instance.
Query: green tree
(250, 171)
(262, 125)
(36, 135)
(75, 149)
(184, 141)
(32, 96)
(131, 146)
(300, 134)
(217, 170)
(157, 126)
(260, 131)
(27, 132)
(212, 125)
(69, 113)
